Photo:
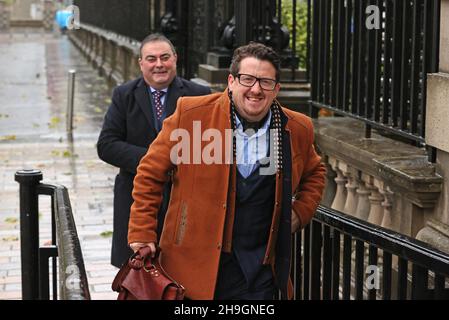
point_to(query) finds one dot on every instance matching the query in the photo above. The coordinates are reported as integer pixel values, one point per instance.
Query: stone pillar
(119, 66)
(99, 54)
(444, 37)
(89, 41)
(376, 211)
(134, 67)
(100, 61)
(331, 186)
(93, 50)
(436, 230)
(106, 68)
(340, 195)
(363, 193)
(352, 176)
(387, 204)
(237, 29)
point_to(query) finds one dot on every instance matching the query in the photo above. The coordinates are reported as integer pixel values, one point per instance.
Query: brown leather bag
(143, 278)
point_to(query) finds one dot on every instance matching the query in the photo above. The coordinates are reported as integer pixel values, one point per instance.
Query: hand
(296, 223)
(135, 246)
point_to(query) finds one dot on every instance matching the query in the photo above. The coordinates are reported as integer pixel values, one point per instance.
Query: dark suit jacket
(128, 130)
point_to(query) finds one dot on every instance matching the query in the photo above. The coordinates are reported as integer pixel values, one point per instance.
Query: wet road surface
(33, 106)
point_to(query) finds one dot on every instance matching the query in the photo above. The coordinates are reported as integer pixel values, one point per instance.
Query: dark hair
(155, 37)
(258, 51)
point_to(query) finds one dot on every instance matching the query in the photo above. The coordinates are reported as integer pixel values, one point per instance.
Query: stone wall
(436, 231)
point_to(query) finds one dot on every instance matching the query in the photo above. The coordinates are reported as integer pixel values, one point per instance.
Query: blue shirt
(152, 90)
(250, 149)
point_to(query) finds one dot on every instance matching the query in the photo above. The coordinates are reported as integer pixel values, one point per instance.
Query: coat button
(224, 205)
(219, 246)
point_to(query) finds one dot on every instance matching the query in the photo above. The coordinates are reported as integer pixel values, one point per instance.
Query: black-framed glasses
(248, 80)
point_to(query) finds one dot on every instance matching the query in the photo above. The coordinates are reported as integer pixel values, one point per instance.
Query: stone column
(376, 198)
(99, 52)
(436, 229)
(89, 40)
(134, 67)
(363, 192)
(387, 204)
(340, 195)
(234, 28)
(331, 186)
(352, 176)
(119, 65)
(93, 50)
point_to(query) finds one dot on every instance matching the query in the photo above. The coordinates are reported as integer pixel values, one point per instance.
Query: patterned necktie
(158, 104)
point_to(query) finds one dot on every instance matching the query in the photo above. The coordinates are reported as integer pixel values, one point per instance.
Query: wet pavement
(33, 105)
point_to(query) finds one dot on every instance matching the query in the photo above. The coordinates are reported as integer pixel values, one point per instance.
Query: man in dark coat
(133, 121)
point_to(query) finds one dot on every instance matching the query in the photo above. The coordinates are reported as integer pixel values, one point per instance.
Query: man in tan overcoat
(245, 175)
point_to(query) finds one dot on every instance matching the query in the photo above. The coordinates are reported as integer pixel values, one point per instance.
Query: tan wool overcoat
(198, 223)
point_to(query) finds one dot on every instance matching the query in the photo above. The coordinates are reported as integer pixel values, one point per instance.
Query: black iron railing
(68, 269)
(370, 59)
(133, 18)
(339, 257)
(198, 27)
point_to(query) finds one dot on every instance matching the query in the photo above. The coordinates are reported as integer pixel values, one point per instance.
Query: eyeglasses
(248, 80)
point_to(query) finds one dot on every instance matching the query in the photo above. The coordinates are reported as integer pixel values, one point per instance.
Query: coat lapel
(143, 100)
(175, 90)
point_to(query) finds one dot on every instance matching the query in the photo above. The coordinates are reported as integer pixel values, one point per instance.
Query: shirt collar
(153, 90)
(262, 130)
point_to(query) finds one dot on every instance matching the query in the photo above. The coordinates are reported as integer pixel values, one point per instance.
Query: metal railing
(131, 18)
(370, 60)
(277, 23)
(339, 257)
(68, 269)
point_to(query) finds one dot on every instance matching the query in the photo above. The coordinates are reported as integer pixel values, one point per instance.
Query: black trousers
(232, 284)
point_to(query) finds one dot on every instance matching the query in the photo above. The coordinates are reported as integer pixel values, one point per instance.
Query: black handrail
(65, 244)
(335, 263)
(396, 243)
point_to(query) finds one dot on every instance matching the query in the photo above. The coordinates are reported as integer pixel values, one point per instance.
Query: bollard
(29, 231)
(70, 99)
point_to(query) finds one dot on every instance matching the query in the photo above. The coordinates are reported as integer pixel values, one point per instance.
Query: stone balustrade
(115, 56)
(379, 180)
